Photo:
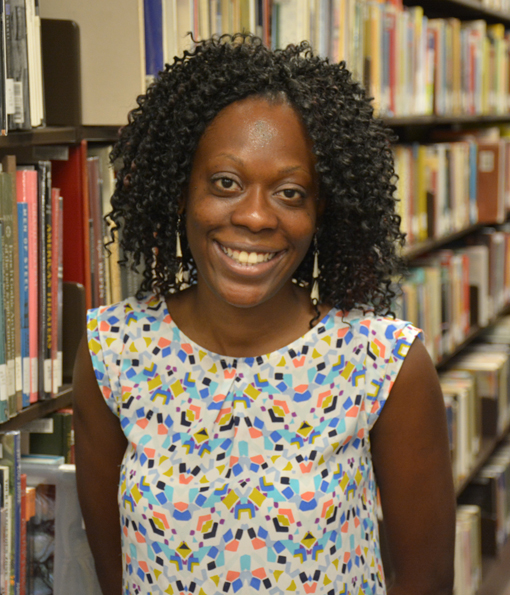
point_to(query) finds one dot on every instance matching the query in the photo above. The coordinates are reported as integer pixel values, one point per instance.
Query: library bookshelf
(408, 128)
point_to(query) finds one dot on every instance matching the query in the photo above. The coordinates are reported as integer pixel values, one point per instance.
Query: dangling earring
(316, 272)
(179, 276)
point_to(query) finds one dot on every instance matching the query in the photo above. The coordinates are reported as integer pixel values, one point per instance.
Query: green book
(55, 437)
(6, 215)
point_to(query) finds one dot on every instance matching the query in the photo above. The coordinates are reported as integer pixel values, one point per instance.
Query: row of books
(468, 550)
(410, 64)
(21, 69)
(52, 230)
(451, 292)
(43, 547)
(445, 187)
(490, 490)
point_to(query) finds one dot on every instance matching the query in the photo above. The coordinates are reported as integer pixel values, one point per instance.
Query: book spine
(3, 71)
(9, 166)
(6, 209)
(45, 296)
(5, 532)
(4, 398)
(23, 299)
(60, 291)
(20, 119)
(55, 214)
(23, 536)
(27, 185)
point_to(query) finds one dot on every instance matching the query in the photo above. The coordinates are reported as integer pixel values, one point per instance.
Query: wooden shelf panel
(462, 9)
(421, 248)
(39, 409)
(432, 120)
(53, 135)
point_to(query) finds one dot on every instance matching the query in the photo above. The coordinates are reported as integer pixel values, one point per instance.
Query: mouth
(245, 258)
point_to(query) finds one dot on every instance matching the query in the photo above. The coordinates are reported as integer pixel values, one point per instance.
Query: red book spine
(26, 186)
(71, 177)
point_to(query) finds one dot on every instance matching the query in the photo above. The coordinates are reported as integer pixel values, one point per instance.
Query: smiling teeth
(248, 257)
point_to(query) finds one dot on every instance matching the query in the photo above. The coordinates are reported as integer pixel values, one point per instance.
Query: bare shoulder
(411, 456)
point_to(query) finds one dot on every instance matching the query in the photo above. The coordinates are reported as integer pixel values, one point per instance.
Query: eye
(224, 183)
(292, 194)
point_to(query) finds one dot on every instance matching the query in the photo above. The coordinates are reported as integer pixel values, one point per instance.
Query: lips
(248, 259)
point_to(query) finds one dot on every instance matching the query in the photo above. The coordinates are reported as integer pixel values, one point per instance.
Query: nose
(255, 211)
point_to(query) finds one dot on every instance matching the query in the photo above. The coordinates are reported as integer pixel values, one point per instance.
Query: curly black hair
(359, 230)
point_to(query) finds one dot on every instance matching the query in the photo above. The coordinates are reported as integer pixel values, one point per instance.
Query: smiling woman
(232, 419)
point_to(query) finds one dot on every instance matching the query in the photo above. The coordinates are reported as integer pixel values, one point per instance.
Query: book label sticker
(47, 375)
(34, 374)
(3, 382)
(19, 374)
(26, 375)
(40, 426)
(486, 161)
(9, 96)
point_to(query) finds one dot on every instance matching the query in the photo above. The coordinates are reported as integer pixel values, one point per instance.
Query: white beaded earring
(179, 276)
(316, 272)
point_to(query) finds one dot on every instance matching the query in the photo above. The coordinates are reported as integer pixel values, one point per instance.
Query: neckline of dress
(295, 345)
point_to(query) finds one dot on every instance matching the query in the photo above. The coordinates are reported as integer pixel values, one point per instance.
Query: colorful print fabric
(246, 475)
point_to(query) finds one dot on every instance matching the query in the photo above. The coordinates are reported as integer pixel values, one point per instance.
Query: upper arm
(99, 450)
(413, 469)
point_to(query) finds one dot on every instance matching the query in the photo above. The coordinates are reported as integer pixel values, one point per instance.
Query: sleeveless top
(249, 474)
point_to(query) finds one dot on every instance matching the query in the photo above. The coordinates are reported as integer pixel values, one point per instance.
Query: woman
(243, 400)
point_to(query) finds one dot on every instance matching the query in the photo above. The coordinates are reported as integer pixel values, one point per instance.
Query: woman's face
(251, 206)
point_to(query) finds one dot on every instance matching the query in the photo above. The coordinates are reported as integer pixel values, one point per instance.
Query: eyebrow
(285, 170)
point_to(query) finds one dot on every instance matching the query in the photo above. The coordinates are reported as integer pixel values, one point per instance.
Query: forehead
(257, 126)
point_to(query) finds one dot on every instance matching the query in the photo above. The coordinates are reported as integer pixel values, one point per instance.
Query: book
(23, 300)
(71, 177)
(23, 536)
(52, 435)
(20, 118)
(9, 167)
(5, 514)
(45, 283)
(7, 207)
(26, 184)
(10, 457)
(154, 45)
(62, 72)
(4, 395)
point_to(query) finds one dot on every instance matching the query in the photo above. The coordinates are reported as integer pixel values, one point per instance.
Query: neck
(242, 332)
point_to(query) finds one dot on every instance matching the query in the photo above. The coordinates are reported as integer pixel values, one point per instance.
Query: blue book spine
(23, 296)
(153, 16)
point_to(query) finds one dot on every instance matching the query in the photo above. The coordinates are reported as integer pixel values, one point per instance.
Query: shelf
(421, 248)
(433, 120)
(462, 9)
(39, 409)
(53, 135)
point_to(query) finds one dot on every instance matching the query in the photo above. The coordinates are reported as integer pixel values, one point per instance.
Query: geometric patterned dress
(252, 474)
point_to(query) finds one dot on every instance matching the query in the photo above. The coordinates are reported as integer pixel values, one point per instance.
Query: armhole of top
(97, 354)
(381, 378)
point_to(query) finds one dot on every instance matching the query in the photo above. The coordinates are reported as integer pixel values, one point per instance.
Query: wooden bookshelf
(462, 9)
(415, 250)
(39, 409)
(53, 135)
(432, 120)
